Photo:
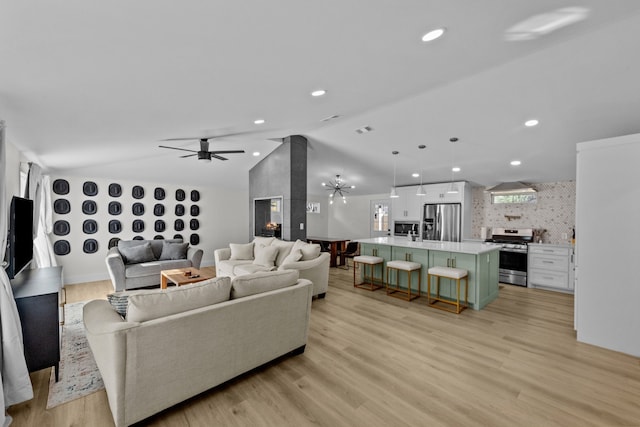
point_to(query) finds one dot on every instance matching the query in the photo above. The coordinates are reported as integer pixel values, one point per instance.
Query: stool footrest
(433, 301)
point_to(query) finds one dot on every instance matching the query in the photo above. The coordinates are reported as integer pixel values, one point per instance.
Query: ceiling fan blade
(218, 157)
(188, 155)
(176, 148)
(227, 152)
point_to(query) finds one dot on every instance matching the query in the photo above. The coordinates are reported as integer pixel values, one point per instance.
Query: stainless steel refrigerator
(442, 222)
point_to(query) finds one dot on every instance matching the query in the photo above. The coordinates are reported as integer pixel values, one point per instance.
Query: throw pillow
(241, 252)
(294, 256)
(284, 248)
(264, 241)
(265, 255)
(161, 303)
(120, 300)
(137, 254)
(256, 283)
(311, 251)
(174, 250)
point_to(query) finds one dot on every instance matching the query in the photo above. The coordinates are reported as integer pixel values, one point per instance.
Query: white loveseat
(137, 263)
(269, 254)
(177, 343)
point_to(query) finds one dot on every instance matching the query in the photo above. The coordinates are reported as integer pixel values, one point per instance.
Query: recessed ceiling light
(516, 163)
(318, 92)
(415, 175)
(256, 153)
(433, 34)
(258, 121)
(530, 123)
(455, 169)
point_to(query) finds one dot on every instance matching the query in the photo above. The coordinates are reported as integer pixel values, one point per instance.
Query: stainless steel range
(513, 253)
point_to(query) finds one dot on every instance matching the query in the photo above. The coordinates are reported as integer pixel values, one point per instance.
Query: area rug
(79, 375)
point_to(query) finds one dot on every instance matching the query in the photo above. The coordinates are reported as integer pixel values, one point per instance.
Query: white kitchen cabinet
(438, 193)
(550, 267)
(408, 206)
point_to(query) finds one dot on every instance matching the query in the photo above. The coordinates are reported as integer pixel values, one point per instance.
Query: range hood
(511, 188)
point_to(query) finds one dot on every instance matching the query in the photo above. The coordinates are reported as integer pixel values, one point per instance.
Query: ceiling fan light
(421, 191)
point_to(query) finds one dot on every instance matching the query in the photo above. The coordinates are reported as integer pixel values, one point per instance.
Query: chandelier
(338, 186)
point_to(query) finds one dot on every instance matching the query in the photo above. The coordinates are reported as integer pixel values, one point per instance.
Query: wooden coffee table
(178, 277)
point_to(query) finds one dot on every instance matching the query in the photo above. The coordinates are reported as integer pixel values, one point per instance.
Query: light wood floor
(373, 360)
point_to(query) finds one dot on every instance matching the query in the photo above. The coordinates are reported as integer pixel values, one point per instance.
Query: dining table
(336, 247)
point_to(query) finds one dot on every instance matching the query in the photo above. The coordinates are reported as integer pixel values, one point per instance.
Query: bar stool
(449, 273)
(372, 262)
(409, 267)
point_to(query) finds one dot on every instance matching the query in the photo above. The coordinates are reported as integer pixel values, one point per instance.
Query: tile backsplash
(555, 212)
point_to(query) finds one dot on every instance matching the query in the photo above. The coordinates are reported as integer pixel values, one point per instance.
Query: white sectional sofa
(176, 343)
(269, 254)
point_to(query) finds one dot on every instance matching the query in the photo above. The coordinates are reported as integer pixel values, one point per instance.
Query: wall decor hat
(159, 226)
(158, 209)
(178, 225)
(159, 193)
(90, 226)
(137, 209)
(61, 206)
(179, 210)
(194, 239)
(138, 226)
(89, 207)
(90, 246)
(115, 226)
(61, 186)
(90, 188)
(195, 195)
(180, 196)
(61, 228)
(137, 192)
(115, 190)
(195, 210)
(115, 208)
(61, 247)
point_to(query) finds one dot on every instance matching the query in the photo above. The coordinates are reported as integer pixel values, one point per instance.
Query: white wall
(223, 219)
(607, 290)
(12, 172)
(318, 223)
(351, 220)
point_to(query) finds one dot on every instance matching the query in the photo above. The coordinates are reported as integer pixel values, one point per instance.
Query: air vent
(364, 129)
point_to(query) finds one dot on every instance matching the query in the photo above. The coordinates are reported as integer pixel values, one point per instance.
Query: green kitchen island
(478, 258)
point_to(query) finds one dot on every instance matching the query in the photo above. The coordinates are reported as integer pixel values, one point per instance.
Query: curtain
(39, 190)
(15, 384)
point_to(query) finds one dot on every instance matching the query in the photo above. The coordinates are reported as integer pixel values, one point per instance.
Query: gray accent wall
(283, 173)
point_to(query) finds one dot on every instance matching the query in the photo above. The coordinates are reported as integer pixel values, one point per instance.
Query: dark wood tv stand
(37, 295)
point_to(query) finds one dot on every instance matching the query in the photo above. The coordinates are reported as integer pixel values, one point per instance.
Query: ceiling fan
(204, 153)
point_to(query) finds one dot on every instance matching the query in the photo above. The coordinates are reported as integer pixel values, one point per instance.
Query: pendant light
(453, 189)
(394, 193)
(421, 191)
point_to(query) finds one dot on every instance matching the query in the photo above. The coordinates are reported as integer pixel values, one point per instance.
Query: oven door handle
(517, 251)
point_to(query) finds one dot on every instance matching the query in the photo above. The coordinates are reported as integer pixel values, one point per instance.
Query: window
(514, 198)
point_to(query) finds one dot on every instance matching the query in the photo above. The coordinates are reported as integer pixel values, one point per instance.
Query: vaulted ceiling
(91, 88)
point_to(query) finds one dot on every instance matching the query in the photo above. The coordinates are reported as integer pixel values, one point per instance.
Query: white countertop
(475, 248)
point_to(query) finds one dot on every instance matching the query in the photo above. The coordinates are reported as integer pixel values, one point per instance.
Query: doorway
(379, 218)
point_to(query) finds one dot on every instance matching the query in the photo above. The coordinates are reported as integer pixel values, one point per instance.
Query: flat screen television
(20, 236)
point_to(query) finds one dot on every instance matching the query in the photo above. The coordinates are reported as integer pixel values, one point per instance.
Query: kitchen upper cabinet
(438, 193)
(408, 206)
(550, 267)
